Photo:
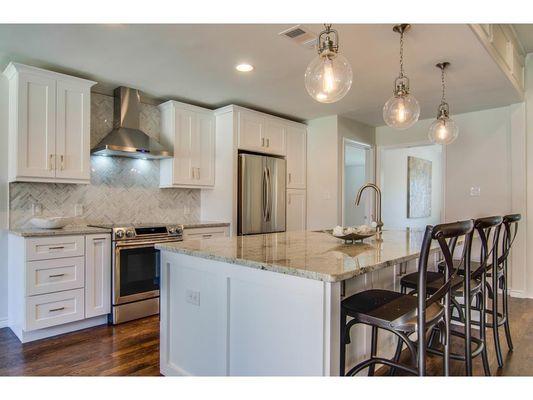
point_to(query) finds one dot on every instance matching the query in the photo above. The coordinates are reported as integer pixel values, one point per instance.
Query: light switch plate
(475, 191)
(36, 209)
(192, 297)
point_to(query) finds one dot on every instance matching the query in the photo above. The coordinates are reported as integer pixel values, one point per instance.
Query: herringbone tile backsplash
(121, 189)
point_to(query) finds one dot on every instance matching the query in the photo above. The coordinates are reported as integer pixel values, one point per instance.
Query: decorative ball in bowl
(352, 234)
(50, 223)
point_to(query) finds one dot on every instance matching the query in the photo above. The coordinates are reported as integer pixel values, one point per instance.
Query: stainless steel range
(136, 266)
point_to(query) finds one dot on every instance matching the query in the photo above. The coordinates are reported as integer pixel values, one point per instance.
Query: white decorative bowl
(50, 223)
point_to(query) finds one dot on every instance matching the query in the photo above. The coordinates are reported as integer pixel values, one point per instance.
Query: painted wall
(393, 179)
(487, 154)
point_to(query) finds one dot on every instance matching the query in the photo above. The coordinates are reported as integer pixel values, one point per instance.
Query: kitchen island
(269, 304)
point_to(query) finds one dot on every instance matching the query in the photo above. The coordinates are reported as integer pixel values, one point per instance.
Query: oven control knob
(172, 230)
(119, 233)
(130, 233)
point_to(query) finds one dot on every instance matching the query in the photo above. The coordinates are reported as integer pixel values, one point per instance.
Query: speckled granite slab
(67, 230)
(313, 255)
(203, 224)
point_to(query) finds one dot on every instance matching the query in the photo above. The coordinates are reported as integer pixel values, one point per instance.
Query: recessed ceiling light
(244, 67)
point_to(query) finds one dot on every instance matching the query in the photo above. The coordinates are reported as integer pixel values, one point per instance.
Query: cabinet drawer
(52, 309)
(47, 276)
(205, 233)
(54, 247)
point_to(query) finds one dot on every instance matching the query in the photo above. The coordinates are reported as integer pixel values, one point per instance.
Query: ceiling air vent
(301, 35)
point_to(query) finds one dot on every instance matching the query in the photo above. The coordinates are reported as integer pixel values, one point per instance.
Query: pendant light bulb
(443, 130)
(402, 110)
(328, 76)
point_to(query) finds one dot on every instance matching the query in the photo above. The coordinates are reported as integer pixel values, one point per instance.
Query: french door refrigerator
(261, 194)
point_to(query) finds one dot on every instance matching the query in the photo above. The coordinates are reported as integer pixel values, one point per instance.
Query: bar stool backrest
(488, 229)
(510, 223)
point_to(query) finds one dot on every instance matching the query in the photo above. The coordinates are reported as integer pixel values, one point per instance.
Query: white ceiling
(195, 63)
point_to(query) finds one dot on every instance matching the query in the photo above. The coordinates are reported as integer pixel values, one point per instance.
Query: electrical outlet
(475, 191)
(36, 209)
(186, 210)
(193, 297)
(78, 210)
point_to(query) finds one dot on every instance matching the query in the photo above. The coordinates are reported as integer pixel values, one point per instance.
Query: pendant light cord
(401, 55)
(443, 99)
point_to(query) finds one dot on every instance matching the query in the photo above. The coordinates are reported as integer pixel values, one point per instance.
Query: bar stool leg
(342, 344)
(373, 350)
(397, 355)
(483, 329)
(447, 344)
(495, 317)
(506, 312)
(468, 326)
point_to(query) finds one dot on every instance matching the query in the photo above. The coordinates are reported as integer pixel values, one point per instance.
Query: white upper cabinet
(190, 132)
(261, 133)
(49, 126)
(296, 157)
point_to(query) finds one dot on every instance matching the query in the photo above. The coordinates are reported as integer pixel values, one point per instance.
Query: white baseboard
(520, 294)
(3, 322)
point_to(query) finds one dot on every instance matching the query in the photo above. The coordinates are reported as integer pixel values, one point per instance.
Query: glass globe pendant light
(443, 130)
(402, 110)
(329, 76)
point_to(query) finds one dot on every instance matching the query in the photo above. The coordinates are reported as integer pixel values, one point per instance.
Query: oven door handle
(143, 244)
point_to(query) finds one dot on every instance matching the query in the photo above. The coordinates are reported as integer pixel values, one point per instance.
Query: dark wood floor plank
(133, 349)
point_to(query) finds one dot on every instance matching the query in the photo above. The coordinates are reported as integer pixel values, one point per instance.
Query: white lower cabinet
(97, 275)
(296, 210)
(58, 284)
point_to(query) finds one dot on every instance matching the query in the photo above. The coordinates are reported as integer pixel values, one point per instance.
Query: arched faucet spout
(377, 204)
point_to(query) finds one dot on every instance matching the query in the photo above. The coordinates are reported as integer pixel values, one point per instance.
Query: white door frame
(370, 171)
(379, 167)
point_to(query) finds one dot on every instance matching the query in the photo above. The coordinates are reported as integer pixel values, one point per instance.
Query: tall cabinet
(190, 132)
(241, 129)
(49, 126)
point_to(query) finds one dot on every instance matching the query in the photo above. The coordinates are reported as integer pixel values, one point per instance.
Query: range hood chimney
(126, 139)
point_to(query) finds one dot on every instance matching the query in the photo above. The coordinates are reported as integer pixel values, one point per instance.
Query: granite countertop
(87, 230)
(313, 255)
(67, 230)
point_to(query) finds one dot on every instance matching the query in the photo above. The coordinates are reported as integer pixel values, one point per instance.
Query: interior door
(252, 194)
(73, 136)
(275, 169)
(37, 126)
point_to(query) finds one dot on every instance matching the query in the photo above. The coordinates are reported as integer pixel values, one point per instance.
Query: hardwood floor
(133, 349)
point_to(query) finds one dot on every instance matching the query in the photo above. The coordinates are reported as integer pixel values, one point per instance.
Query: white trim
(3, 323)
(14, 67)
(519, 294)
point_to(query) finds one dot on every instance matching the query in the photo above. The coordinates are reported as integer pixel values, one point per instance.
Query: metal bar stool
(468, 289)
(404, 314)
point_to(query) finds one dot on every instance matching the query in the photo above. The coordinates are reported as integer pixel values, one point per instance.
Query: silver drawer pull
(56, 275)
(56, 247)
(56, 309)
(207, 235)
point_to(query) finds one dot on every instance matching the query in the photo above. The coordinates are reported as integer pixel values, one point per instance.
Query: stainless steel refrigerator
(261, 194)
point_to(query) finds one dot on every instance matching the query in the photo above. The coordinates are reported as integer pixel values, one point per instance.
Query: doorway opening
(356, 171)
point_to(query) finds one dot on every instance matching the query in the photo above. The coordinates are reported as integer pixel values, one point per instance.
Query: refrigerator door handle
(264, 195)
(269, 194)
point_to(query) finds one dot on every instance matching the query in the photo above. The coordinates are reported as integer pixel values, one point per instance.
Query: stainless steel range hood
(126, 139)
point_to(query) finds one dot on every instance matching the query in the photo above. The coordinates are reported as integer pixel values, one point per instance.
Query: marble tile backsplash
(121, 189)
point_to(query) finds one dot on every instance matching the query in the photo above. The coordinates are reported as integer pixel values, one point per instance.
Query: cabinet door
(296, 158)
(251, 130)
(73, 136)
(274, 138)
(36, 145)
(296, 210)
(183, 148)
(205, 150)
(97, 275)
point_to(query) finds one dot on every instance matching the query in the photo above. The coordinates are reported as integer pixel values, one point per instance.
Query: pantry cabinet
(190, 132)
(49, 126)
(97, 275)
(296, 158)
(296, 210)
